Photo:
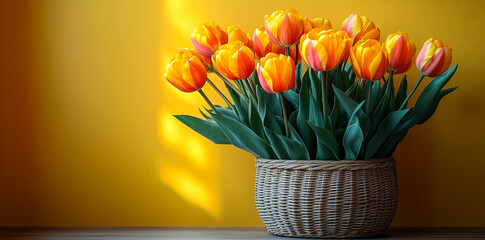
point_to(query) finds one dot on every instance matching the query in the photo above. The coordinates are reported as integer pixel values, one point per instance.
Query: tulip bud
(237, 34)
(360, 28)
(207, 38)
(317, 23)
(206, 61)
(262, 44)
(234, 60)
(284, 27)
(186, 72)
(400, 51)
(369, 59)
(322, 50)
(434, 58)
(276, 73)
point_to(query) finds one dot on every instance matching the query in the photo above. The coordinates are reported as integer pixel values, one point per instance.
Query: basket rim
(322, 164)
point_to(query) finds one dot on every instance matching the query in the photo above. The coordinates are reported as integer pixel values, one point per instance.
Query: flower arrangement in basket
(302, 90)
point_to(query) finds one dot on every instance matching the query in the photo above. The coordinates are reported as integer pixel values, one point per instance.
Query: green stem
(225, 80)
(249, 88)
(287, 51)
(283, 107)
(208, 101)
(220, 93)
(242, 89)
(296, 55)
(412, 91)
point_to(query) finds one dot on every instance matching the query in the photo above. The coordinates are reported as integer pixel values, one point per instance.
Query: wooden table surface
(179, 233)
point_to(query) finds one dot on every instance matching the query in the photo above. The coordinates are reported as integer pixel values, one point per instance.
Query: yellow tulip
(322, 50)
(234, 60)
(276, 73)
(237, 34)
(284, 27)
(207, 38)
(191, 51)
(186, 72)
(360, 28)
(400, 51)
(262, 44)
(317, 23)
(434, 58)
(369, 59)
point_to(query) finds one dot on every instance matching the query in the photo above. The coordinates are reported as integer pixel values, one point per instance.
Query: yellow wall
(87, 137)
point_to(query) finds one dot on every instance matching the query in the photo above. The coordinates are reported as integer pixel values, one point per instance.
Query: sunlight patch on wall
(192, 189)
(182, 141)
(182, 14)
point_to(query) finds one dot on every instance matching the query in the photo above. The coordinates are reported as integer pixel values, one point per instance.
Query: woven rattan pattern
(326, 199)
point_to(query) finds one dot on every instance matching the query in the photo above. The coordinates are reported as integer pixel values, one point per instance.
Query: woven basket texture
(326, 199)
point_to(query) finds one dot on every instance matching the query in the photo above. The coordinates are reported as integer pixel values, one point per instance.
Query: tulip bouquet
(302, 90)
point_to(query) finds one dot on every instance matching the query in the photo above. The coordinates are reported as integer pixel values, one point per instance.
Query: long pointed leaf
(385, 128)
(207, 129)
(243, 137)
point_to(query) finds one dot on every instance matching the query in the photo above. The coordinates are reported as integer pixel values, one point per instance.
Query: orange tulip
(434, 58)
(400, 51)
(237, 34)
(276, 73)
(348, 43)
(204, 60)
(234, 60)
(317, 23)
(207, 38)
(322, 50)
(369, 59)
(360, 28)
(186, 72)
(284, 27)
(262, 44)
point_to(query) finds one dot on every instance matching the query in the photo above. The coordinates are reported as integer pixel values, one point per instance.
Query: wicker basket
(326, 199)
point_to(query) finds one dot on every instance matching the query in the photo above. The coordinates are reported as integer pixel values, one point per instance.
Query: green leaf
(315, 114)
(385, 128)
(401, 92)
(298, 76)
(304, 112)
(207, 117)
(207, 129)
(434, 105)
(328, 139)
(266, 117)
(240, 105)
(376, 88)
(225, 111)
(286, 148)
(316, 86)
(255, 121)
(292, 97)
(243, 137)
(273, 103)
(350, 74)
(293, 119)
(349, 106)
(353, 140)
(334, 77)
(425, 102)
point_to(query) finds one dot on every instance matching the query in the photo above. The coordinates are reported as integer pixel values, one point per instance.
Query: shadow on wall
(415, 170)
(16, 121)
